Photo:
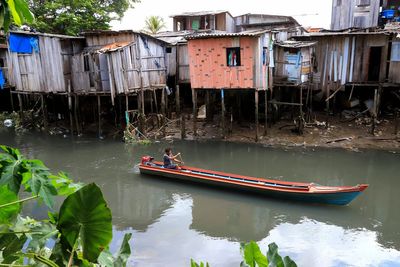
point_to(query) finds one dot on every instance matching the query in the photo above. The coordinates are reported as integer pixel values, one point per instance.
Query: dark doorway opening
(374, 66)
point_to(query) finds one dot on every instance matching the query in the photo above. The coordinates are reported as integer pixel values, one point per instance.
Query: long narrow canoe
(308, 192)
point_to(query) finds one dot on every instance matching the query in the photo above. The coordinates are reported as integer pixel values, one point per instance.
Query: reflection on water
(173, 222)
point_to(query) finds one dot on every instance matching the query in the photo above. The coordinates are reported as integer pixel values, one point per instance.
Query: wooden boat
(308, 192)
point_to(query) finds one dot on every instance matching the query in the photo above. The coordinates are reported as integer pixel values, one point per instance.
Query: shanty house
(40, 62)
(231, 60)
(294, 62)
(120, 63)
(205, 20)
(361, 56)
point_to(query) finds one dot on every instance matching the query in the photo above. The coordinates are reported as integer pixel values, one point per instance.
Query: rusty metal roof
(295, 44)
(221, 34)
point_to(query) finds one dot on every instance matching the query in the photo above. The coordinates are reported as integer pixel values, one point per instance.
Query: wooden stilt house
(120, 63)
(39, 62)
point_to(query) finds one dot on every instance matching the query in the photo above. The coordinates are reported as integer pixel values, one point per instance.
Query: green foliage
(8, 213)
(154, 24)
(195, 264)
(85, 214)
(74, 16)
(18, 10)
(106, 258)
(80, 231)
(253, 257)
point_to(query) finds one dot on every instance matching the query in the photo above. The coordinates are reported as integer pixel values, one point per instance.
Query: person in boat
(169, 158)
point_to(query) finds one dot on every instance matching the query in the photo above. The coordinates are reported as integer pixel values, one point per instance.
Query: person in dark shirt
(168, 158)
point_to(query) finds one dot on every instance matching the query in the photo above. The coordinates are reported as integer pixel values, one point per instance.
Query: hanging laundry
(23, 43)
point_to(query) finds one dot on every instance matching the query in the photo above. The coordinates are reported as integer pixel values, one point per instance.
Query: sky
(314, 13)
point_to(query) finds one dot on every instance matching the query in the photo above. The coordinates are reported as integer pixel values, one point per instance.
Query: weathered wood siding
(46, 71)
(354, 13)
(105, 38)
(292, 65)
(183, 63)
(346, 59)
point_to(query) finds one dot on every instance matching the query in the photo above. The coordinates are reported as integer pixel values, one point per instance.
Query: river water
(173, 222)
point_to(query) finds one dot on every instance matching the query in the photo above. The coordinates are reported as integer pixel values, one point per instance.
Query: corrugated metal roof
(61, 36)
(110, 32)
(219, 34)
(295, 44)
(113, 47)
(200, 13)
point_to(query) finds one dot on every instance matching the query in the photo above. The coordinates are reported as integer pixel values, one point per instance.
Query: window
(195, 24)
(86, 63)
(168, 50)
(233, 56)
(363, 2)
(395, 55)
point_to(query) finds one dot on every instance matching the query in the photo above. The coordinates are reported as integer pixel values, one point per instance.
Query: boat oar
(180, 157)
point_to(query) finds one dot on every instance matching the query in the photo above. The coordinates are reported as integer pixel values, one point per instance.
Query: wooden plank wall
(43, 71)
(139, 65)
(183, 63)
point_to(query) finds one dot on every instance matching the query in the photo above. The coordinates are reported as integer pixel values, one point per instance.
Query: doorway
(374, 66)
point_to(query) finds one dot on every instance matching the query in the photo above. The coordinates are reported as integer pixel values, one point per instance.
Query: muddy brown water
(173, 222)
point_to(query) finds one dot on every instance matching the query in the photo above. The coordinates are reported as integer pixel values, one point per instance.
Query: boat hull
(285, 190)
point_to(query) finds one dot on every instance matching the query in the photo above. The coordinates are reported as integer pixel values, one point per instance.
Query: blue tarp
(23, 43)
(2, 80)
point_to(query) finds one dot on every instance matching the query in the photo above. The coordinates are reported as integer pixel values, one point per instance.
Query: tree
(154, 24)
(18, 10)
(74, 16)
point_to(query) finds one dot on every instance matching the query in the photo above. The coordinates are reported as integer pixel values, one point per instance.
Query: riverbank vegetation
(80, 231)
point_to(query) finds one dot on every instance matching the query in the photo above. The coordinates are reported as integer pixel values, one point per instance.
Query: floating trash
(8, 123)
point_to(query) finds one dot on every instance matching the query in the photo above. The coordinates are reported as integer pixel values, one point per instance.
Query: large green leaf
(10, 244)
(9, 212)
(64, 185)
(288, 262)
(38, 182)
(273, 257)
(11, 166)
(14, 12)
(253, 255)
(23, 11)
(106, 258)
(85, 215)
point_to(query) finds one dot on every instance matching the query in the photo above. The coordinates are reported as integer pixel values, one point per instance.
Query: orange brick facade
(208, 63)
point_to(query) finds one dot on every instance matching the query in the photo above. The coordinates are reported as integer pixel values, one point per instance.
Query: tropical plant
(154, 24)
(74, 16)
(252, 257)
(80, 232)
(16, 10)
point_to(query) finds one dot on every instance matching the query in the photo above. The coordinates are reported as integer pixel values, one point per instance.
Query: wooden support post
(12, 101)
(142, 100)
(266, 112)
(99, 115)
(223, 114)
(139, 102)
(151, 103)
(21, 109)
(155, 100)
(209, 113)
(178, 101)
(194, 99)
(183, 129)
(71, 120)
(166, 106)
(396, 124)
(256, 113)
(163, 102)
(76, 109)
(374, 113)
(44, 112)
